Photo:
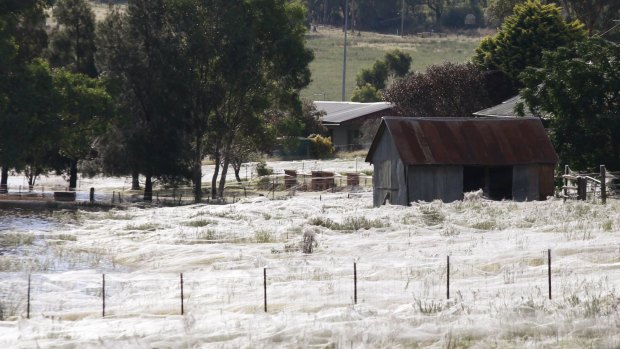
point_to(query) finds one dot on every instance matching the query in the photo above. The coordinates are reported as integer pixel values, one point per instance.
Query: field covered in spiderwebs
(498, 277)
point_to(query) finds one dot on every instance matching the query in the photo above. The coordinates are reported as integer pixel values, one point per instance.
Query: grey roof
(505, 109)
(338, 112)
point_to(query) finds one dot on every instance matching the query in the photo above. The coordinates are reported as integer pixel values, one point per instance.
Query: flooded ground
(33, 241)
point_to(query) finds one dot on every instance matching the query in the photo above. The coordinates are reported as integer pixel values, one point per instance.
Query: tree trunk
(32, 179)
(237, 170)
(236, 164)
(216, 172)
(223, 178)
(135, 180)
(148, 188)
(197, 172)
(73, 173)
(4, 179)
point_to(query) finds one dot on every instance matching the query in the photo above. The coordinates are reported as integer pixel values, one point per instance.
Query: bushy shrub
(321, 147)
(262, 169)
(366, 94)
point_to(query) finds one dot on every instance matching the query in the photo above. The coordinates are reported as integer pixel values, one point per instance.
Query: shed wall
(388, 174)
(546, 181)
(339, 136)
(428, 183)
(525, 185)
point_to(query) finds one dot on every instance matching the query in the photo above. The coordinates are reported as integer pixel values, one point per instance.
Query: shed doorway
(473, 178)
(500, 183)
(496, 182)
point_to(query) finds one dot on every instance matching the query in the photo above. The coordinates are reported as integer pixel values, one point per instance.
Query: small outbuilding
(426, 159)
(344, 121)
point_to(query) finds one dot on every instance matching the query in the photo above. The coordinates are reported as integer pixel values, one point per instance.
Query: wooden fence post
(549, 270)
(28, 306)
(565, 182)
(103, 295)
(354, 283)
(582, 188)
(603, 185)
(92, 195)
(448, 277)
(182, 309)
(265, 286)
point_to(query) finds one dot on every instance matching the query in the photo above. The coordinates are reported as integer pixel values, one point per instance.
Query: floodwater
(32, 241)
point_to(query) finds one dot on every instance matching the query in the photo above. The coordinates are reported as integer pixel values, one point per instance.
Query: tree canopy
(445, 90)
(533, 28)
(578, 90)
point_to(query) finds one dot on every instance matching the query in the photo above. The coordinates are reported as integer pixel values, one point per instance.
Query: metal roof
(468, 141)
(338, 112)
(506, 109)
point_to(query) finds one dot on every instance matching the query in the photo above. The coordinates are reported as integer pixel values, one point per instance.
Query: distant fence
(305, 284)
(591, 186)
(276, 186)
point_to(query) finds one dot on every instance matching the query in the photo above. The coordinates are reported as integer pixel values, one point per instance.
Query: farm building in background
(507, 108)
(344, 121)
(426, 159)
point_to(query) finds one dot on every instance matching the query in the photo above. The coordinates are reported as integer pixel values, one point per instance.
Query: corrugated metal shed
(465, 141)
(505, 109)
(339, 112)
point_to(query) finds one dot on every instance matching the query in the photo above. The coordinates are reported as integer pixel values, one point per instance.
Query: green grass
(364, 50)
(349, 223)
(199, 223)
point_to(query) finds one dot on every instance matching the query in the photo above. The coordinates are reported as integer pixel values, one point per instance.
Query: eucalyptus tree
(139, 52)
(72, 43)
(577, 89)
(22, 39)
(72, 47)
(235, 72)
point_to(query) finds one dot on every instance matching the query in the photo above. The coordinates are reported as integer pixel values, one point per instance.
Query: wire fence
(277, 185)
(309, 285)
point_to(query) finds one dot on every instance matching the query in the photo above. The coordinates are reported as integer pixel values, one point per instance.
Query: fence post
(113, 195)
(565, 182)
(354, 283)
(448, 277)
(603, 185)
(582, 188)
(103, 295)
(182, 309)
(549, 270)
(92, 195)
(28, 306)
(265, 286)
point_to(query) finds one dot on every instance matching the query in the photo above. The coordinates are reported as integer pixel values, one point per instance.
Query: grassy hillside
(364, 49)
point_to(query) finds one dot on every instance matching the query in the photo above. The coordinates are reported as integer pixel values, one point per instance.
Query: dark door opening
(500, 183)
(473, 178)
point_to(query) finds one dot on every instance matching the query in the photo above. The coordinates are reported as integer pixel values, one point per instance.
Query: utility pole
(402, 20)
(344, 63)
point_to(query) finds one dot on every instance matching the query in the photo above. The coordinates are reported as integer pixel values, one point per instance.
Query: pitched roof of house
(468, 141)
(339, 112)
(506, 109)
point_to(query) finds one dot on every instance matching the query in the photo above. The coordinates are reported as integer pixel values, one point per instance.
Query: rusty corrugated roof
(465, 141)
